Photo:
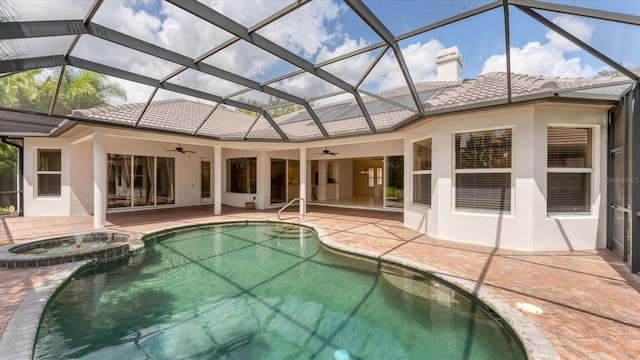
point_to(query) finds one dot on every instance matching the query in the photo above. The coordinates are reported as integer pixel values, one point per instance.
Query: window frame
(573, 170)
(39, 172)
(249, 182)
(130, 197)
(421, 172)
(483, 170)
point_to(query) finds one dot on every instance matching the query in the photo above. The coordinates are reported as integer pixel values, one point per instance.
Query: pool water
(245, 291)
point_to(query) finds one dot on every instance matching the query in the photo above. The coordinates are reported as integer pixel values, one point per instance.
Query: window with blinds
(483, 170)
(569, 162)
(422, 172)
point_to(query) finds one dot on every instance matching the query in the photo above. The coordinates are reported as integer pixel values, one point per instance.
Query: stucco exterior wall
(187, 166)
(77, 172)
(81, 170)
(527, 226)
(50, 205)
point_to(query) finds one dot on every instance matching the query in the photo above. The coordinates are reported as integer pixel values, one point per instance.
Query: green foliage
(612, 72)
(4, 210)
(483, 150)
(8, 157)
(80, 89)
(8, 176)
(395, 168)
(284, 110)
(272, 104)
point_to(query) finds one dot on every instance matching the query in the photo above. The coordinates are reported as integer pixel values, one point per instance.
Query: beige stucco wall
(527, 226)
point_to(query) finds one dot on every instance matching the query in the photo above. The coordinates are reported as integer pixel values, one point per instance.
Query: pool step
(283, 231)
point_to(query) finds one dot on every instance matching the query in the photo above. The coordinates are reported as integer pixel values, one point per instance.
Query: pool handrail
(289, 203)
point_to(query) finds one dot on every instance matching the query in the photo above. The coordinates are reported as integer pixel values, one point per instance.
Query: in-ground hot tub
(99, 246)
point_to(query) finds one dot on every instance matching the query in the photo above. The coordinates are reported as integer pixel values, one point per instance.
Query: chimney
(449, 63)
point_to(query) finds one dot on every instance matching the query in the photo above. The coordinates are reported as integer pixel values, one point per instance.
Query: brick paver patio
(590, 300)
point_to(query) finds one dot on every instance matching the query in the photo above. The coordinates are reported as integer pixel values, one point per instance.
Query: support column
(322, 180)
(99, 182)
(303, 181)
(263, 180)
(634, 179)
(217, 180)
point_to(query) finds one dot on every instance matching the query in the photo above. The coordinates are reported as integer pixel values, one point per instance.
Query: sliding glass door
(140, 181)
(285, 180)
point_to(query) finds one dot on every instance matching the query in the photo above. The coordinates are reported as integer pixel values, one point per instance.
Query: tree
(612, 72)
(80, 89)
(34, 90)
(85, 89)
(8, 157)
(284, 110)
(272, 102)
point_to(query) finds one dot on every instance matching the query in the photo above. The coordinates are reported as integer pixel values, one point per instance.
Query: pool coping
(19, 338)
(21, 331)
(536, 345)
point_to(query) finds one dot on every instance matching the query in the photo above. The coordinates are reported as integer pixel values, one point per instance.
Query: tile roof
(386, 109)
(492, 86)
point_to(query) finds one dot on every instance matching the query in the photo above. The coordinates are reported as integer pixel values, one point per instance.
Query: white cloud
(348, 70)
(181, 32)
(421, 59)
(421, 62)
(313, 31)
(550, 58)
(37, 10)
(576, 27)
(306, 86)
(172, 28)
(304, 31)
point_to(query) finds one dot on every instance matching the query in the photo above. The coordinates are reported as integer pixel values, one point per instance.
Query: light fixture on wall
(364, 171)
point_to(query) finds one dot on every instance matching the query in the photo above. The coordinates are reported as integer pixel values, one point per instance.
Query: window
(241, 175)
(569, 169)
(49, 171)
(422, 172)
(483, 170)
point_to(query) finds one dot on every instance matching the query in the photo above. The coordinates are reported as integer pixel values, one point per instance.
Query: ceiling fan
(180, 149)
(327, 152)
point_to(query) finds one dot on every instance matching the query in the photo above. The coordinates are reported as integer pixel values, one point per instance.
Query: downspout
(19, 175)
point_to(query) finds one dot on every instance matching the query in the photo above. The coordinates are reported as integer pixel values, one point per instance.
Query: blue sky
(324, 29)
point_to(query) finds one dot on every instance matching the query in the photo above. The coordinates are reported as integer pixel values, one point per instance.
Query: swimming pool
(252, 291)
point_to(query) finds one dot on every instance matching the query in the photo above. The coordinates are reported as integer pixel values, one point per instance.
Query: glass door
(394, 188)
(293, 179)
(206, 169)
(278, 181)
(619, 194)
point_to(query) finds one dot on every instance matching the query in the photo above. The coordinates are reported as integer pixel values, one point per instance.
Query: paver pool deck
(590, 300)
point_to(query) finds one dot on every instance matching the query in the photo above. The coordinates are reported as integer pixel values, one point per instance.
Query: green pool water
(249, 291)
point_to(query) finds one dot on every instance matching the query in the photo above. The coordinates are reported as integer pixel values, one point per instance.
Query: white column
(322, 180)
(217, 180)
(303, 181)
(263, 181)
(99, 182)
